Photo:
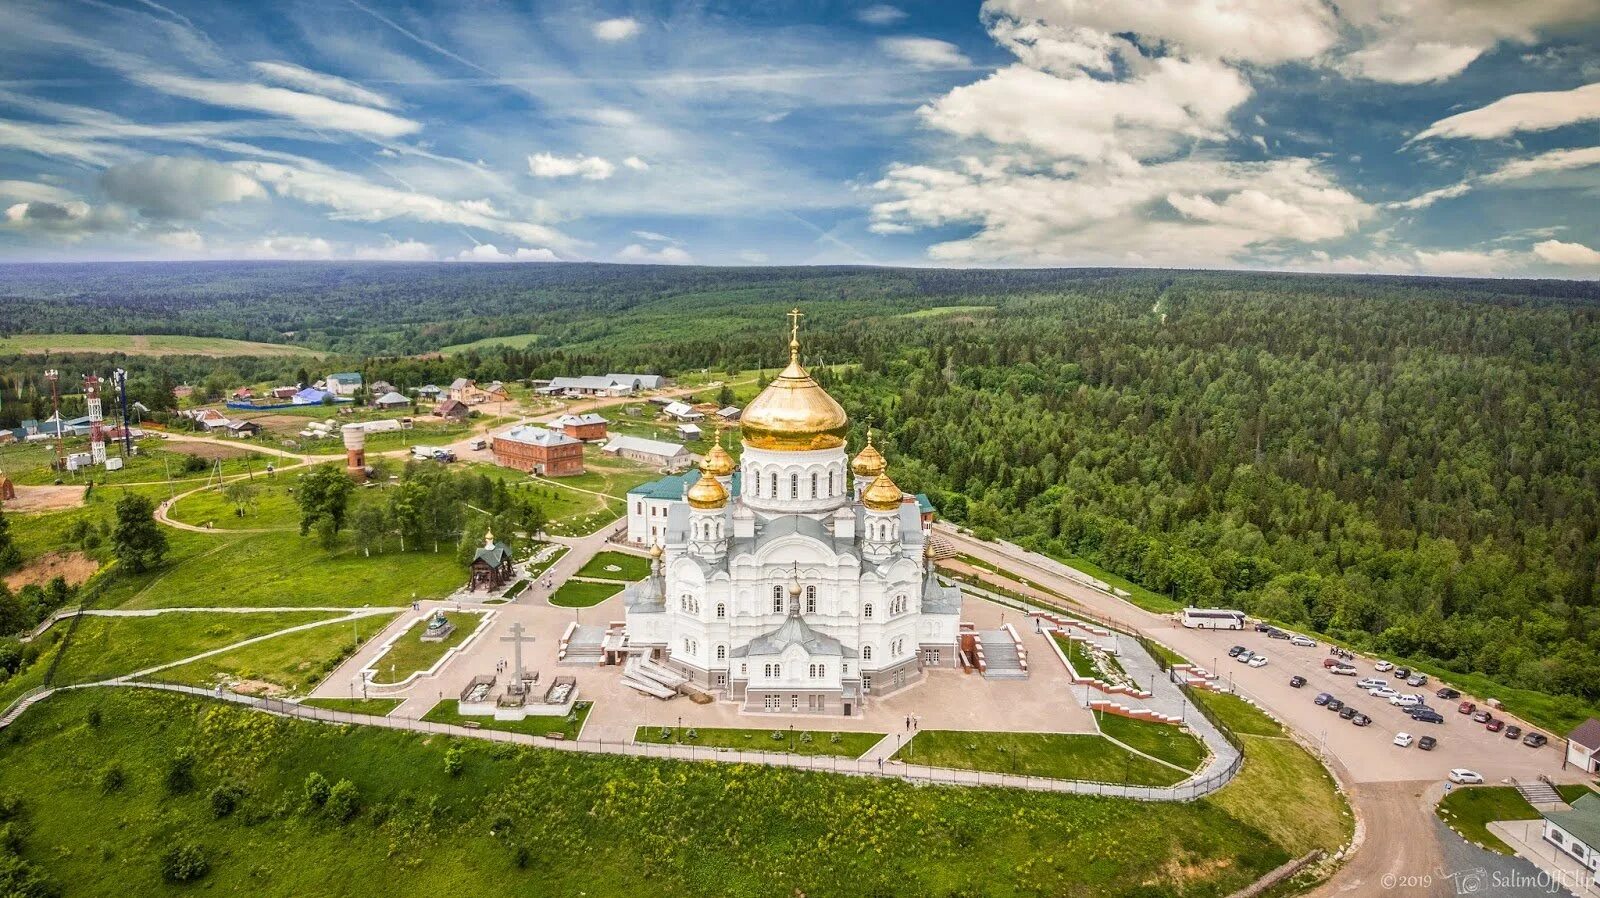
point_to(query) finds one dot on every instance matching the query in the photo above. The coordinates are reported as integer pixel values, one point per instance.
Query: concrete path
(1549, 865)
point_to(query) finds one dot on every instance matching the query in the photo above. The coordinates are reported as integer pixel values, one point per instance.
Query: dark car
(1276, 633)
(1334, 704)
(1236, 651)
(1448, 694)
(1263, 627)
(1495, 725)
(1426, 743)
(1348, 713)
(1401, 673)
(1361, 720)
(1467, 708)
(1513, 732)
(1535, 740)
(1297, 681)
(1426, 715)
(1482, 717)
(1322, 699)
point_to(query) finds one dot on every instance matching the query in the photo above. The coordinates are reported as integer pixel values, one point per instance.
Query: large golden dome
(794, 413)
(882, 494)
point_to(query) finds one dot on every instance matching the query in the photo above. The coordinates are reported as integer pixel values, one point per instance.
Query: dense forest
(1410, 464)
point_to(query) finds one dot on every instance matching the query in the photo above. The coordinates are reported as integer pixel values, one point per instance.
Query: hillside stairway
(1000, 651)
(583, 644)
(1539, 792)
(634, 677)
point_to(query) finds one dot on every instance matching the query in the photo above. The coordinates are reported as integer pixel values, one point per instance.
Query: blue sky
(1430, 136)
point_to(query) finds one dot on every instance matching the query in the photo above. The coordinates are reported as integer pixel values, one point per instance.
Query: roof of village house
(450, 407)
(624, 442)
(429, 388)
(643, 381)
(393, 398)
(345, 377)
(461, 383)
(1582, 822)
(578, 420)
(534, 435)
(1587, 733)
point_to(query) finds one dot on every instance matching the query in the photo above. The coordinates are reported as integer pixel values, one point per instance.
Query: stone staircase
(1001, 654)
(1538, 792)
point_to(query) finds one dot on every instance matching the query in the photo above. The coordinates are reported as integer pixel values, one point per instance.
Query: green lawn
(515, 819)
(113, 646)
(157, 460)
(295, 662)
(1286, 793)
(850, 745)
(1073, 756)
(514, 341)
(1238, 715)
(145, 344)
(629, 567)
(1085, 664)
(272, 505)
(445, 712)
(580, 594)
(282, 568)
(1159, 740)
(377, 707)
(1470, 809)
(410, 654)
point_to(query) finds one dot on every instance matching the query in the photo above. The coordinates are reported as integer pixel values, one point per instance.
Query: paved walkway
(1552, 866)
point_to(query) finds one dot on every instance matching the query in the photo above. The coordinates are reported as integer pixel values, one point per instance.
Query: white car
(1403, 740)
(1405, 701)
(1465, 777)
(1302, 641)
(1384, 693)
(1373, 683)
(1383, 666)
(1258, 661)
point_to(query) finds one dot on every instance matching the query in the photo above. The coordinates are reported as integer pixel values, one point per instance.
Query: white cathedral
(800, 581)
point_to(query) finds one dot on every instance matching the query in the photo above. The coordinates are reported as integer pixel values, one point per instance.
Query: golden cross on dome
(794, 334)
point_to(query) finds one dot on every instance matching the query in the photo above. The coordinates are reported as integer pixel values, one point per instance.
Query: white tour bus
(1213, 619)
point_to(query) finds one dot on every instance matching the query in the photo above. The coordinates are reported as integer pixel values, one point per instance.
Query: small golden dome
(869, 462)
(707, 493)
(718, 463)
(794, 413)
(656, 551)
(882, 494)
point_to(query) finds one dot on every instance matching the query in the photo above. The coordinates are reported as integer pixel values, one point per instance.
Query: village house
(729, 414)
(658, 453)
(1577, 832)
(467, 391)
(452, 410)
(380, 387)
(585, 427)
(491, 565)
(391, 400)
(683, 411)
(639, 382)
(689, 431)
(243, 428)
(345, 383)
(285, 392)
(244, 393)
(311, 396)
(1583, 746)
(538, 450)
(429, 392)
(496, 392)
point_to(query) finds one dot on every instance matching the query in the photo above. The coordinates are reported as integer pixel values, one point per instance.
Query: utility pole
(54, 376)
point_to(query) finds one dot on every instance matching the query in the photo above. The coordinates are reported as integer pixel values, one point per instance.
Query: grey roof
(1587, 734)
(940, 599)
(794, 631)
(1582, 822)
(638, 381)
(644, 597)
(393, 398)
(587, 382)
(622, 441)
(537, 436)
(461, 383)
(586, 418)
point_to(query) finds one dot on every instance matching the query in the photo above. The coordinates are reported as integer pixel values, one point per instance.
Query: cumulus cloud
(289, 247)
(620, 29)
(397, 251)
(636, 164)
(880, 14)
(1558, 253)
(924, 52)
(331, 86)
(177, 187)
(1515, 170)
(1540, 111)
(310, 109)
(1429, 40)
(590, 168)
(69, 220)
(638, 253)
(488, 252)
(1258, 31)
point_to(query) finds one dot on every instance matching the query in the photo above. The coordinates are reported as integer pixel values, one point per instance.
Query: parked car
(1263, 627)
(1372, 683)
(1361, 720)
(1344, 670)
(1465, 777)
(1535, 740)
(1466, 708)
(1384, 693)
(1334, 704)
(1236, 651)
(1258, 661)
(1302, 641)
(1482, 716)
(1297, 681)
(1330, 662)
(1426, 743)
(1403, 740)
(1405, 701)
(1417, 680)
(1448, 694)
(1322, 699)
(1495, 725)
(1426, 715)
(1244, 656)
(1400, 673)
(1382, 666)
(1513, 732)
(1348, 713)
(1276, 633)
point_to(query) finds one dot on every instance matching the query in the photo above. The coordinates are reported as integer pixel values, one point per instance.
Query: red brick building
(538, 450)
(586, 427)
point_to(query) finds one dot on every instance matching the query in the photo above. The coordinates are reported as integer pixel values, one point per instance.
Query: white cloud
(752, 257)
(880, 14)
(590, 168)
(187, 241)
(310, 109)
(321, 83)
(924, 52)
(289, 247)
(1539, 111)
(1559, 253)
(1258, 31)
(177, 187)
(1550, 162)
(666, 255)
(32, 191)
(655, 237)
(397, 251)
(635, 163)
(1429, 40)
(70, 220)
(612, 30)
(487, 252)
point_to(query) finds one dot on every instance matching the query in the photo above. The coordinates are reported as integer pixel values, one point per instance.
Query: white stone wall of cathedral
(795, 482)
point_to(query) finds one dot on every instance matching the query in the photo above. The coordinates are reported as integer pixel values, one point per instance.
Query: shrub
(343, 802)
(180, 772)
(225, 799)
(317, 789)
(455, 760)
(113, 779)
(94, 717)
(185, 862)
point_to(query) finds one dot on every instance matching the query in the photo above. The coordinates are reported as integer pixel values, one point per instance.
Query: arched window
(722, 652)
(822, 671)
(811, 600)
(866, 653)
(830, 483)
(777, 671)
(866, 611)
(774, 486)
(722, 611)
(777, 599)
(794, 486)
(766, 670)
(813, 484)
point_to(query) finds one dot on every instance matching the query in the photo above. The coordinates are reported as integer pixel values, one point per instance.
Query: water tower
(355, 451)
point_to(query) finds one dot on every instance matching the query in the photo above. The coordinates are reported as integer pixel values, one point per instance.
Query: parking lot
(1367, 753)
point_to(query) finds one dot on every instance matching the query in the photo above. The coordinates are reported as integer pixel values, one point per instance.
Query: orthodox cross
(517, 638)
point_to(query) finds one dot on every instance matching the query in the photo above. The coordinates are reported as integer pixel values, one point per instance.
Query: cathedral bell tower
(867, 466)
(880, 539)
(708, 519)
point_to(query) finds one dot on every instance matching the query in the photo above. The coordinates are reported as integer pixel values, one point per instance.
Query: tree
(725, 396)
(343, 801)
(323, 493)
(10, 557)
(370, 524)
(242, 494)
(137, 541)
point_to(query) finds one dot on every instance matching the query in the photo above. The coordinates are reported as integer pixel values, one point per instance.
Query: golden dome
(869, 462)
(655, 551)
(794, 413)
(707, 493)
(718, 463)
(882, 494)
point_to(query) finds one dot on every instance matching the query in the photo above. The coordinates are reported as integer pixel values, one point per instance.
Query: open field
(410, 654)
(1158, 740)
(1077, 756)
(291, 663)
(106, 647)
(514, 341)
(582, 594)
(821, 742)
(145, 344)
(943, 311)
(157, 460)
(514, 818)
